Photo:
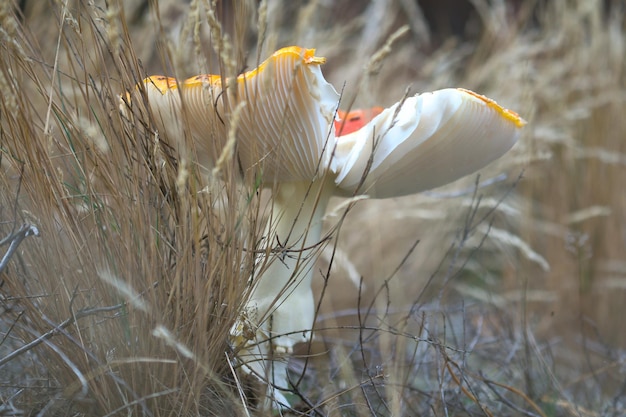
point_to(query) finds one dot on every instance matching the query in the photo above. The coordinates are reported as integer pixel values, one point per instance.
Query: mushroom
(286, 136)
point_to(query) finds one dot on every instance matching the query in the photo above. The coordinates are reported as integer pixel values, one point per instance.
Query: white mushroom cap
(283, 129)
(426, 141)
(286, 132)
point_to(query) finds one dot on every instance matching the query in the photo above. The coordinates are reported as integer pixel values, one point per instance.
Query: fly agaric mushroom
(286, 135)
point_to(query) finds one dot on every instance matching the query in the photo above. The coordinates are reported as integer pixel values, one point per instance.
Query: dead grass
(136, 283)
(501, 301)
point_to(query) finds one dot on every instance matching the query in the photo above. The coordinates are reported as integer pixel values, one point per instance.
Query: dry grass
(509, 304)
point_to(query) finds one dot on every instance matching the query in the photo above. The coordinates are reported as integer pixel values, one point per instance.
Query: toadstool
(287, 136)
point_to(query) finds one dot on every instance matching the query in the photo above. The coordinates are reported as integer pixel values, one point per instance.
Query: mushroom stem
(281, 304)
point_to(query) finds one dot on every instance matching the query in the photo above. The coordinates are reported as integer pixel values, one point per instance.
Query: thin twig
(15, 239)
(142, 399)
(57, 329)
(517, 392)
(238, 383)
